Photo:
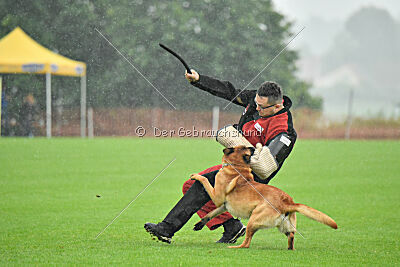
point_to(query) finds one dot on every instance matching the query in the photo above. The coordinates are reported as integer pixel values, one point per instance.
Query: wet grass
(50, 213)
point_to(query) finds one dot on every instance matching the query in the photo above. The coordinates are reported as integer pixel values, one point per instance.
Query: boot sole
(155, 234)
(233, 240)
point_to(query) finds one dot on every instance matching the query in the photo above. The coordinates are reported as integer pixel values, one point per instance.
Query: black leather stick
(177, 56)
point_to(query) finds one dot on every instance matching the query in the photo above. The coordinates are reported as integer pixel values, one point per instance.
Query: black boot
(233, 229)
(161, 230)
(189, 204)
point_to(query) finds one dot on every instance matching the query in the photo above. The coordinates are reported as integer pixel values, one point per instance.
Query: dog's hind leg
(292, 219)
(255, 223)
(289, 228)
(290, 237)
(250, 231)
(198, 226)
(262, 217)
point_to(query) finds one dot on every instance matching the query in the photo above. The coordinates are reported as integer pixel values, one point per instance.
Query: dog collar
(230, 164)
(224, 165)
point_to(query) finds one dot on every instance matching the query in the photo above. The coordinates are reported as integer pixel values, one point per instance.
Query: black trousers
(195, 198)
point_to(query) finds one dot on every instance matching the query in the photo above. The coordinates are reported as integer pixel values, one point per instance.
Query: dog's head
(238, 155)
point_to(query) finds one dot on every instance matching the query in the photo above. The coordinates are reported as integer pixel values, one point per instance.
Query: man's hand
(194, 77)
(257, 152)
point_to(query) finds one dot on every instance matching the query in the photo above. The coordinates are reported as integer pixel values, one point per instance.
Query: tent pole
(48, 104)
(1, 94)
(83, 106)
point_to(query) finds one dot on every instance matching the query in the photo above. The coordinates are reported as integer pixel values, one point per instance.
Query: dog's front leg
(206, 184)
(231, 186)
(212, 214)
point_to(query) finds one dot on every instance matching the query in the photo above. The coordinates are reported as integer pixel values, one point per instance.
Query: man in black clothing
(266, 120)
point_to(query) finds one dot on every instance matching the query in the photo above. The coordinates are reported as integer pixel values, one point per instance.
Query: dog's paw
(195, 176)
(198, 226)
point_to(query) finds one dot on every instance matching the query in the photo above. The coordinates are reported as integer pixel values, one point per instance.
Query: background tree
(230, 40)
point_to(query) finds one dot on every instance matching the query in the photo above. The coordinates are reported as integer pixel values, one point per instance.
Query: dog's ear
(246, 159)
(228, 151)
(252, 149)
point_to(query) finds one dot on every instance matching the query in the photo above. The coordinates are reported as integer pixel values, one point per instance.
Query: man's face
(264, 108)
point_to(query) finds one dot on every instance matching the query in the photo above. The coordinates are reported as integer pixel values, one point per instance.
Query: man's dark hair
(272, 90)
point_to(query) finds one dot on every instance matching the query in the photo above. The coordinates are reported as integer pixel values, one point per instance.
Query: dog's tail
(314, 214)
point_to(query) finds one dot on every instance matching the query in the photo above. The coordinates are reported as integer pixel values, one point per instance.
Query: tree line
(230, 40)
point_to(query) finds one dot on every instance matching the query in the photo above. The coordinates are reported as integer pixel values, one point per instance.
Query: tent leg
(48, 105)
(83, 106)
(1, 94)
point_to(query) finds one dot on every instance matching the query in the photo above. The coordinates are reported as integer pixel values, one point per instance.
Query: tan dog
(267, 206)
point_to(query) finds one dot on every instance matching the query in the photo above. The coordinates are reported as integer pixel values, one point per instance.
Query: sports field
(50, 213)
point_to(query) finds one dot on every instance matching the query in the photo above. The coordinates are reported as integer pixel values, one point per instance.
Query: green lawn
(50, 213)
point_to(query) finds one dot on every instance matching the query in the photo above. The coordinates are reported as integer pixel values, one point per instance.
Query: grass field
(50, 213)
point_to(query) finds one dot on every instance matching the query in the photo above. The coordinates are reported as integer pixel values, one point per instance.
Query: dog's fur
(267, 206)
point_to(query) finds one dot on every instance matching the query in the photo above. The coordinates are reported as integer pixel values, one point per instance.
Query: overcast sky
(323, 20)
(302, 10)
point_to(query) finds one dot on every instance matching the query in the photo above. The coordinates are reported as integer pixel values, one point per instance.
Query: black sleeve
(224, 89)
(280, 147)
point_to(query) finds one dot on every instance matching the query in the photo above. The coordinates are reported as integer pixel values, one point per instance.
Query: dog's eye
(246, 159)
(252, 149)
(228, 151)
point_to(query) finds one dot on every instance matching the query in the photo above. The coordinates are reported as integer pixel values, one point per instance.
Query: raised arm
(223, 89)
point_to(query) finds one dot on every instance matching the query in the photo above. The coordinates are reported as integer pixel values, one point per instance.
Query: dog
(266, 206)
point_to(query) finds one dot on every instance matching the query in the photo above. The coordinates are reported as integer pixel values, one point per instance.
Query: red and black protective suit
(256, 129)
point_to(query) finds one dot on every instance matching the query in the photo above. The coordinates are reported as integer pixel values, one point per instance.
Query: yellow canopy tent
(19, 53)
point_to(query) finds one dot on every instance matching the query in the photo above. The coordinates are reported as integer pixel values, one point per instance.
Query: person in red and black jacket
(266, 120)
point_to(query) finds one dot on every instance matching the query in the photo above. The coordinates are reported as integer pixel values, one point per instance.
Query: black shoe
(160, 230)
(189, 204)
(233, 230)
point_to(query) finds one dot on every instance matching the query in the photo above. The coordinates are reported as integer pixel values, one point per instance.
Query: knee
(187, 185)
